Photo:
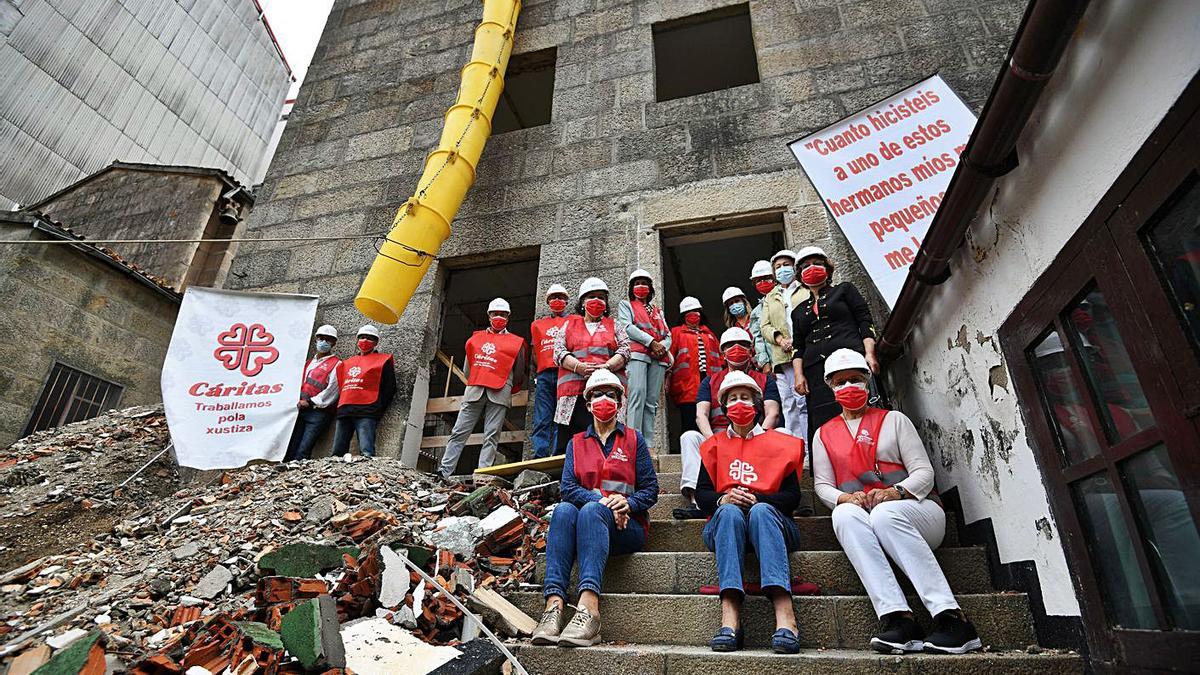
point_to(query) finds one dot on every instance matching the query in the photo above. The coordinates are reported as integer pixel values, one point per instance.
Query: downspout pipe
(991, 152)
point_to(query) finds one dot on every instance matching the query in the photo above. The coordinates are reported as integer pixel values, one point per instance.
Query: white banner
(231, 378)
(883, 171)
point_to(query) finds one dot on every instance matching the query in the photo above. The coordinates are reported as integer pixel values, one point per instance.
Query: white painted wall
(1129, 61)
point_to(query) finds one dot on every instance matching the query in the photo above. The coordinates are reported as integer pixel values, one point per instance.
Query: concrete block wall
(589, 188)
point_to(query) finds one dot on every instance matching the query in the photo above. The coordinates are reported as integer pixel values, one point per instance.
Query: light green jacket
(775, 320)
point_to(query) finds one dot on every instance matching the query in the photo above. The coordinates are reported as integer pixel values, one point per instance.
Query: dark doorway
(704, 52)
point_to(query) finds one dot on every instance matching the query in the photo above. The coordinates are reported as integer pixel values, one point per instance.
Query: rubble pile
(274, 568)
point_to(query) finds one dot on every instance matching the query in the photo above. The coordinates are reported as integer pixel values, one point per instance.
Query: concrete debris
(395, 580)
(311, 633)
(85, 656)
(530, 478)
(213, 584)
(376, 647)
(459, 534)
(186, 551)
(64, 640)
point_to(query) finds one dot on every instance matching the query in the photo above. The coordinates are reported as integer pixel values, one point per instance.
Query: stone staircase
(655, 621)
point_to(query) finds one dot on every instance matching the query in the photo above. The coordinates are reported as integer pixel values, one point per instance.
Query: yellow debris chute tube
(423, 223)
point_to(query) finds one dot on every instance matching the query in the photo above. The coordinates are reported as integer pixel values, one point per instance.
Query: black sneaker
(952, 634)
(898, 633)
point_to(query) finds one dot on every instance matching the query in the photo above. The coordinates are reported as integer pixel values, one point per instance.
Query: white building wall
(87, 82)
(1129, 61)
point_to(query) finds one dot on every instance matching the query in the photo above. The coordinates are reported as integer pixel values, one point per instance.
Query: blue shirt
(770, 392)
(645, 490)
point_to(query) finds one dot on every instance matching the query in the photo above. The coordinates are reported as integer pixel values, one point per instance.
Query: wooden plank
(519, 622)
(449, 363)
(451, 404)
(473, 439)
(550, 465)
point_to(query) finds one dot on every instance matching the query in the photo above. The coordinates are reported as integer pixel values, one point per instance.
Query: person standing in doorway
(367, 384)
(763, 279)
(695, 356)
(777, 331)
(649, 344)
(543, 333)
(495, 365)
(318, 393)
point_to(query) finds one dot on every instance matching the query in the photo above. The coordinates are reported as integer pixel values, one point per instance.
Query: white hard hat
(369, 330)
(762, 268)
(845, 359)
(499, 305)
(810, 251)
(327, 331)
(640, 273)
(592, 284)
(689, 304)
(735, 334)
(556, 288)
(731, 293)
(783, 254)
(1053, 345)
(737, 378)
(602, 378)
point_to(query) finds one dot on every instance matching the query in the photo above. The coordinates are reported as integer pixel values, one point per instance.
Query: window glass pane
(1122, 586)
(1172, 541)
(1065, 403)
(1123, 406)
(1175, 248)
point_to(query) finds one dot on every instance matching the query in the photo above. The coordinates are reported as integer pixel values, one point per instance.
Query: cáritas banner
(231, 379)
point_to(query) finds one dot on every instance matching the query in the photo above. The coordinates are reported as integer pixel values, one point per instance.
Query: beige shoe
(550, 626)
(582, 631)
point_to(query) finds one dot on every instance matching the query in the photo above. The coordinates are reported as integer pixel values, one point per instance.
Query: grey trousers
(493, 419)
(645, 386)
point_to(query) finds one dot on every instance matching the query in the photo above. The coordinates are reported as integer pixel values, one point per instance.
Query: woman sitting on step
(748, 487)
(870, 467)
(608, 486)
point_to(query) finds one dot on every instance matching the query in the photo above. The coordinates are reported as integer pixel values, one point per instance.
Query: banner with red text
(883, 171)
(232, 375)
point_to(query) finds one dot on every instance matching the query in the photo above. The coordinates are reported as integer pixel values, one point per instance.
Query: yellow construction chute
(422, 224)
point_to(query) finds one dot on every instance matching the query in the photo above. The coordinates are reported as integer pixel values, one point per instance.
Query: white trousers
(795, 406)
(906, 531)
(689, 452)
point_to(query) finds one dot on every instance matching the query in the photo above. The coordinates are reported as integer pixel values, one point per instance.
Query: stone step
(699, 660)
(816, 534)
(683, 573)
(667, 502)
(830, 621)
(668, 463)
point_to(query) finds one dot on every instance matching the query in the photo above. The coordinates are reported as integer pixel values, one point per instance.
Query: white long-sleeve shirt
(329, 395)
(899, 443)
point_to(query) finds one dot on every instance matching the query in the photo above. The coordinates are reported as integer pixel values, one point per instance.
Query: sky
(297, 25)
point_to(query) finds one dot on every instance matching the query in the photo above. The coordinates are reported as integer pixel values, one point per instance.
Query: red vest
(316, 380)
(685, 375)
(855, 466)
(760, 463)
(542, 334)
(490, 358)
(587, 347)
(651, 321)
(615, 474)
(359, 377)
(716, 414)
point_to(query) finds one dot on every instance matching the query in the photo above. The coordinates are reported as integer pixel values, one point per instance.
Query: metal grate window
(71, 395)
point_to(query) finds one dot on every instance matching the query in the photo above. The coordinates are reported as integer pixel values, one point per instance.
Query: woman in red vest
(590, 340)
(543, 333)
(870, 467)
(749, 486)
(695, 355)
(318, 393)
(608, 486)
(649, 344)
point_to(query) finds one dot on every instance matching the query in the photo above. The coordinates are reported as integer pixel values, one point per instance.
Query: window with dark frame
(71, 395)
(528, 96)
(704, 52)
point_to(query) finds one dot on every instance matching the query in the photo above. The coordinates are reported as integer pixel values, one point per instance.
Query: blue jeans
(347, 427)
(545, 397)
(771, 533)
(590, 535)
(310, 424)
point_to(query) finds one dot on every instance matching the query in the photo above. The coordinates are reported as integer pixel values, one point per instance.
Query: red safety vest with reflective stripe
(685, 374)
(615, 474)
(542, 334)
(490, 358)
(359, 377)
(716, 414)
(651, 321)
(760, 463)
(317, 379)
(855, 464)
(588, 348)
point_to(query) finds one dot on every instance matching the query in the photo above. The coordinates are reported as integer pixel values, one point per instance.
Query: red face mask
(641, 291)
(764, 286)
(851, 397)
(604, 409)
(558, 305)
(692, 318)
(737, 355)
(365, 345)
(498, 323)
(741, 413)
(814, 275)
(595, 307)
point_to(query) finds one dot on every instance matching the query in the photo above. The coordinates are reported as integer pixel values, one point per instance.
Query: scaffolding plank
(451, 404)
(473, 439)
(548, 465)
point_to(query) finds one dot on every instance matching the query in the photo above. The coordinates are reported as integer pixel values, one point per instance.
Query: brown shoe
(550, 626)
(582, 631)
